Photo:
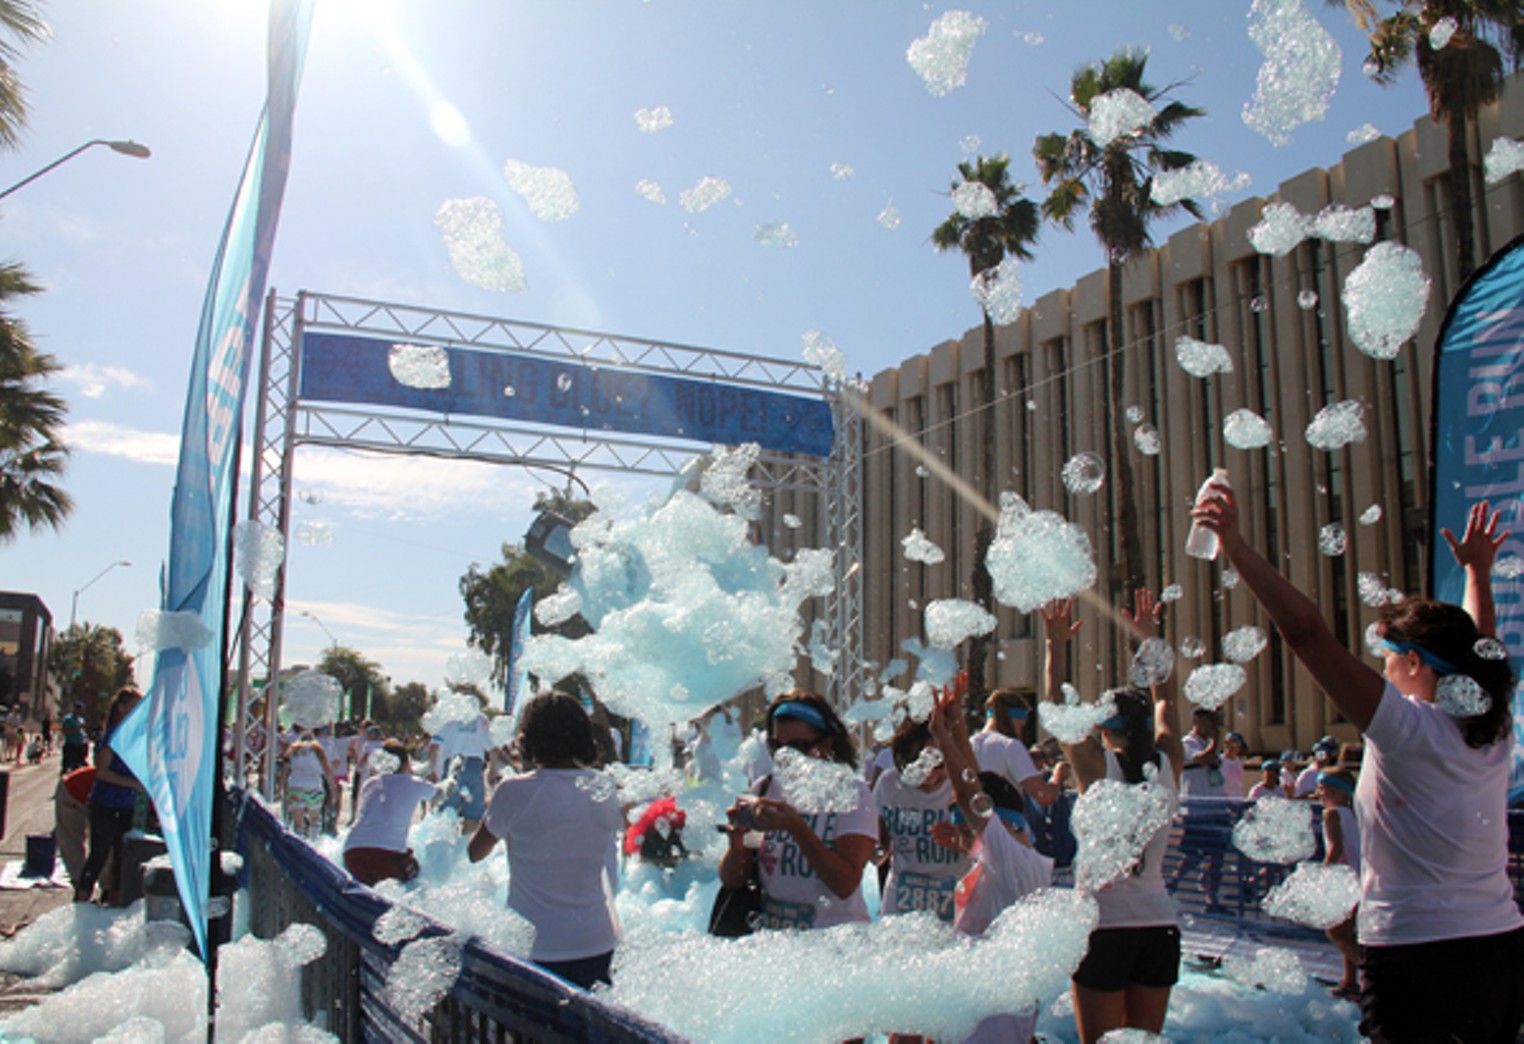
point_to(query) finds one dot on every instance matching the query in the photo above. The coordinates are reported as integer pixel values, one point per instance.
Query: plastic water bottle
(1202, 542)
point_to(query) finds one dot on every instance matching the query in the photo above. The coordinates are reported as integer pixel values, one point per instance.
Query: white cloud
(92, 381)
(145, 447)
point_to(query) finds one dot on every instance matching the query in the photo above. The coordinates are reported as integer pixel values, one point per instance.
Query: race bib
(782, 914)
(927, 893)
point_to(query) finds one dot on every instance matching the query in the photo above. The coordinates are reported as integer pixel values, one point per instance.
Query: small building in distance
(26, 632)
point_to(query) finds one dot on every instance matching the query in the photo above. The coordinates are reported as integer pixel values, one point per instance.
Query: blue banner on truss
(565, 393)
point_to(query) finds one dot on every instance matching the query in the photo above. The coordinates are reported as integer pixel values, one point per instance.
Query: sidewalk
(29, 810)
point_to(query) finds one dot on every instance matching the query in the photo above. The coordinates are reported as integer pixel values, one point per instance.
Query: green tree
(1115, 183)
(92, 663)
(986, 241)
(407, 706)
(365, 687)
(20, 24)
(1460, 78)
(492, 594)
(31, 456)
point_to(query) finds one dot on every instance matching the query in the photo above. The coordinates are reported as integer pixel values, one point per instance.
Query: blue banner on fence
(565, 393)
(518, 678)
(170, 740)
(1478, 440)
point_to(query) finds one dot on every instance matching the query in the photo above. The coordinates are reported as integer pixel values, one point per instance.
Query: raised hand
(1218, 511)
(1145, 615)
(1057, 622)
(1478, 548)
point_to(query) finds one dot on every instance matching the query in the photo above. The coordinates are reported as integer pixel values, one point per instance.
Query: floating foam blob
(1276, 830)
(951, 620)
(652, 120)
(1202, 179)
(160, 630)
(398, 925)
(1332, 540)
(422, 974)
(472, 667)
(1134, 414)
(1072, 721)
(1509, 567)
(941, 56)
(1201, 359)
(969, 144)
(1441, 31)
(1300, 72)
(922, 767)
(792, 521)
(473, 235)
(1113, 822)
(815, 784)
(998, 291)
(548, 190)
(1229, 579)
(258, 553)
(1171, 593)
(1271, 968)
(312, 698)
(890, 217)
(1146, 438)
(703, 195)
(651, 191)
(1385, 298)
(1307, 300)
(1504, 157)
(1372, 591)
(842, 171)
(1371, 515)
(1213, 684)
(1246, 430)
(1461, 696)
(260, 982)
(1119, 113)
(780, 234)
(1281, 227)
(1037, 556)
(1317, 895)
(557, 608)
(975, 200)
(1490, 649)
(600, 786)
(1192, 648)
(919, 549)
(419, 365)
(1152, 663)
(1337, 425)
(1362, 134)
(1383, 202)
(1242, 644)
(1340, 224)
(1373, 644)
(1084, 473)
(726, 481)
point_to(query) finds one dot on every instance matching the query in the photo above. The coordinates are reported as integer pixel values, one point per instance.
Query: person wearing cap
(1323, 753)
(1270, 784)
(1440, 931)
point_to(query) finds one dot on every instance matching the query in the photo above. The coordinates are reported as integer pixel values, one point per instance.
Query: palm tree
(30, 418)
(1115, 181)
(94, 662)
(1460, 78)
(20, 24)
(987, 241)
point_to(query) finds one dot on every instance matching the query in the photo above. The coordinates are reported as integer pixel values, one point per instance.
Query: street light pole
(332, 641)
(126, 148)
(74, 605)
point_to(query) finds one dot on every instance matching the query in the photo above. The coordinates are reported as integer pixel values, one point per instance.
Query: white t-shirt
(1259, 790)
(922, 874)
(881, 762)
(385, 812)
(1307, 781)
(1233, 776)
(1349, 832)
(755, 758)
(1004, 871)
(1199, 780)
(997, 752)
(1139, 900)
(338, 755)
(793, 896)
(560, 872)
(460, 739)
(1434, 829)
(304, 770)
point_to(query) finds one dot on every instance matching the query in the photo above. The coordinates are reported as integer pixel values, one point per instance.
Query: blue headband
(803, 712)
(1335, 782)
(1015, 712)
(1007, 815)
(1437, 663)
(1115, 724)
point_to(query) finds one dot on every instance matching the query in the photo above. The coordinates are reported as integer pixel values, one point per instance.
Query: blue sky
(776, 98)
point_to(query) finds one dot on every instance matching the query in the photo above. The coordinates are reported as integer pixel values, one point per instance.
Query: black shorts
(1122, 957)
(1453, 989)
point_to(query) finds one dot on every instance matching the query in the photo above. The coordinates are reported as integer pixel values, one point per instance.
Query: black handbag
(735, 910)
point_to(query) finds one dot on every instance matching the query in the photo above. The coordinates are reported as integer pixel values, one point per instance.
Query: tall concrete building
(1283, 324)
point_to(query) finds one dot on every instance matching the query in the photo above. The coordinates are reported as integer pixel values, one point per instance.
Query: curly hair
(1136, 708)
(555, 732)
(1448, 631)
(843, 750)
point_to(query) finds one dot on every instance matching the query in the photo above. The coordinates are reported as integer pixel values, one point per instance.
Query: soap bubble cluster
(1171, 593)
(473, 235)
(951, 620)
(814, 784)
(1373, 592)
(1213, 684)
(599, 786)
(1281, 227)
(1441, 31)
(1072, 721)
(1332, 540)
(1037, 556)
(1084, 473)
(1504, 157)
(1461, 696)
(1337, 425)
(890, 217)
(1276, 830)
(726, 481)
(1300, 73)
(820, 350)
(472, 667)
(1317, 895)
(703, 195)
(919, 549)
(651, 191)
(652, 120)
(311, 698)
(922, 767)
(422, 974)
(398, 925)
(1200, 180)
(258, 553)
(419, 365)
(1490, 649)
(1192, 648)
(1134, 414)
(842, 171)
(1119, 113)
(1113, 823)
(1385, 298)
(1146, 438)
(1200, 359)
(1509, 567)
(780, 234)
(1362, 134)
(1340, 224)
(158, 630)
(975, 200)
(1242, 644)
(998, 291)
(548, 190)
(1371, 515)
(1307, 300)
(1270, 968)
(1152, 663)
(941, 56)
(1246, 430)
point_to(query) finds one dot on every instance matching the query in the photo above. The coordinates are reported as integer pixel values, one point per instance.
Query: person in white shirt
(1207, 822)
(376, 848)
(560, 822)
(913, 796)
(459, 752)
(1341, 844)
(1134, 958)
(1269, 784)
(1323, 753)
(1233, 750)
(1441, 935)
(1000, 748)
